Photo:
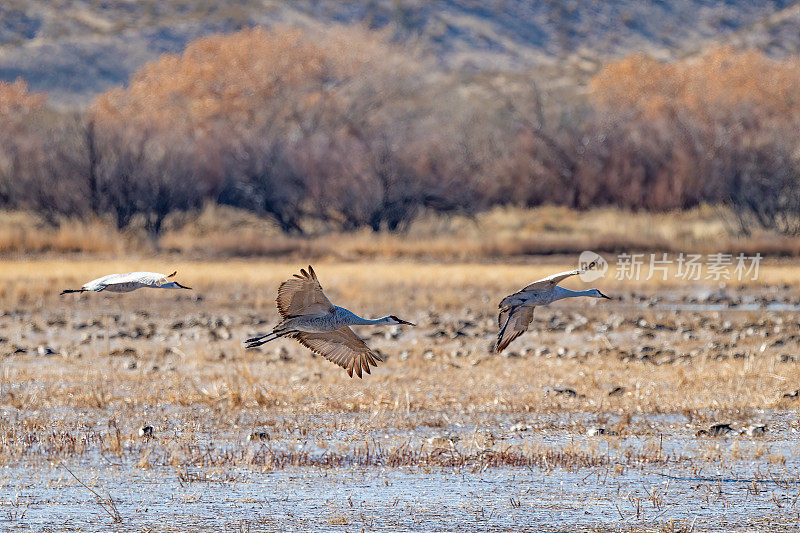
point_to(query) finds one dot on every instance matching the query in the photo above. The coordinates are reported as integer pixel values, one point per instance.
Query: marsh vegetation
(596, 411)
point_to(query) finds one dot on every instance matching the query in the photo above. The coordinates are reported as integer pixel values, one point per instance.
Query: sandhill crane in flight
(128, 282)
(516, 310)
(308, 316)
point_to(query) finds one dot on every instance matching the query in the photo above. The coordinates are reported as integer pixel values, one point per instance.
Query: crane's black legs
(67, 291)
(263, 339)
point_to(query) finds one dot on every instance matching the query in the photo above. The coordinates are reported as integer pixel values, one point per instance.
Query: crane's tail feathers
(67, 291)
(173, 274)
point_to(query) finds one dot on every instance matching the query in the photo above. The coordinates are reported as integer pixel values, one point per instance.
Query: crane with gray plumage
(516, 310)
(130, 281)
(310, 318)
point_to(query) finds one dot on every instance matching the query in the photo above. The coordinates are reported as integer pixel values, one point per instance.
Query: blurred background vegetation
(158, 117)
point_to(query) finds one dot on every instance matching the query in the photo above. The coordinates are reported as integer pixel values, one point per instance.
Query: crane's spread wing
(145, 278)
(513, 322)
(127, 282)
(153, 279)
(101, 283)
(302, 295)
(552, 281)
(343, 347)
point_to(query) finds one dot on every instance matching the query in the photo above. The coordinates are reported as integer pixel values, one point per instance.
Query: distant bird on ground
(516, 310)
(320, 326)
(129, 282)
(258, 435)
(717, 430)
(754, 430)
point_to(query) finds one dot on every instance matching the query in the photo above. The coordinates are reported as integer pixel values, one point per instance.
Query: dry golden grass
(22, 234)
(500, 234)
(193, 346)
(496, 234)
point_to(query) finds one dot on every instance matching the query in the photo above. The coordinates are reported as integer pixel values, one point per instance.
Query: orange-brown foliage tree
(719, 127)
(282, 122)
(708, 87)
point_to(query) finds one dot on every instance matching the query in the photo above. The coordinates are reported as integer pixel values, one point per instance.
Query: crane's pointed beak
(401, 321)
(183, 286)
(604, 296)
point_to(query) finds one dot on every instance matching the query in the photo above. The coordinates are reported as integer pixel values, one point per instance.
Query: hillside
(74, 49)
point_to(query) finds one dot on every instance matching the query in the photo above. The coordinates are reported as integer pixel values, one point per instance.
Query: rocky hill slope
(74, 49)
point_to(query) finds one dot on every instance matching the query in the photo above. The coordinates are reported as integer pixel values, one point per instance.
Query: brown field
(588, 421)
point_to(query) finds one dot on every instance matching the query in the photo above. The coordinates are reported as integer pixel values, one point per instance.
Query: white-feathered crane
(320, 326)
(129, 281)
(516, 310)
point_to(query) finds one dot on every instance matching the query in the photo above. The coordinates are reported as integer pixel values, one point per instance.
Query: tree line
(343, 128)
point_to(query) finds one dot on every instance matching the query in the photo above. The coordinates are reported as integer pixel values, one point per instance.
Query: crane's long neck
(172, 285)
(356, 320)
(359, 321)
(567, 293)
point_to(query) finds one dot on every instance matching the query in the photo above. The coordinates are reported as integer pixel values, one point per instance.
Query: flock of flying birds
(309, 317)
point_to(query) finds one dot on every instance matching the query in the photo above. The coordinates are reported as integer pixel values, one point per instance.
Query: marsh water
(665, 475)
(399, 499)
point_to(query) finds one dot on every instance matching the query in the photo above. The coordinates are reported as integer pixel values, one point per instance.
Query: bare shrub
(40, 163)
